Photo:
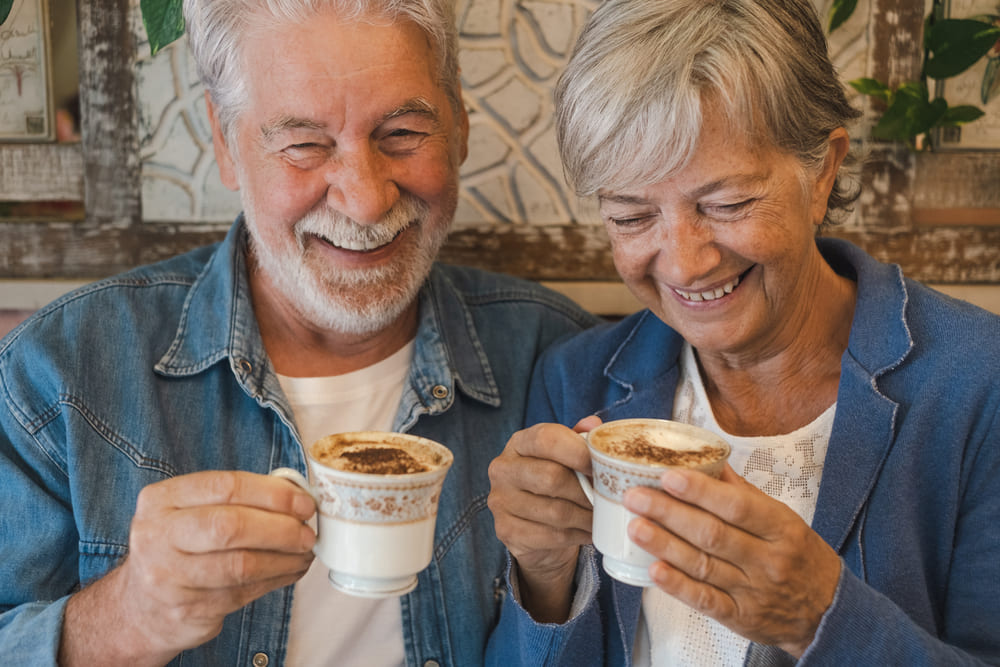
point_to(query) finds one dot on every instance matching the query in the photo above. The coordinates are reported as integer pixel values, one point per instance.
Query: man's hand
(541, 514)
(737, 555)
(201, 546)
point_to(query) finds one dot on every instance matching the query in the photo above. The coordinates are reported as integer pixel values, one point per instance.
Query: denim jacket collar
(207, 334)
(882, 297)
(444, 357)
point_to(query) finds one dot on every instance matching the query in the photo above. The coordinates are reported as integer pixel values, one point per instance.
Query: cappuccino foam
(652, 447)
(375, 456)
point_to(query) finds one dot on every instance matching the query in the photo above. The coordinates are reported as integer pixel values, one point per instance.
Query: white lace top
(786, 467)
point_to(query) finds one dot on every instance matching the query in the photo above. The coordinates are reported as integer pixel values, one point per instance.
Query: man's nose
(361, 185)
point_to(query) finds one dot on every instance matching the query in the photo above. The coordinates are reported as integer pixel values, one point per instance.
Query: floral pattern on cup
(612, 481)
(378, 503)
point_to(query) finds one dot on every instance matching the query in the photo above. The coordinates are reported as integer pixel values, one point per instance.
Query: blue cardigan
(910, 496)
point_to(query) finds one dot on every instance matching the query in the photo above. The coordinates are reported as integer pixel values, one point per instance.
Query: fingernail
(640, 531)
(673, 480)
(308, 539)
(636, 500)
(303, 505)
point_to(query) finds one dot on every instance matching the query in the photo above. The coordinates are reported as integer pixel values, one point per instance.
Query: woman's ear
(223, 155)
(838, 143)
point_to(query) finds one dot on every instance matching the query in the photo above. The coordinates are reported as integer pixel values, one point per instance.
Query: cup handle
(297, 478)
(588, 489)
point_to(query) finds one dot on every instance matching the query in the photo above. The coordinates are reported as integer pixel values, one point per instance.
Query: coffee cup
(376, 495)
(626, 453)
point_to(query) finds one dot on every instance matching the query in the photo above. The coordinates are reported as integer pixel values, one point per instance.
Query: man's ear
(463, 127)
(223, 155)
(839, 142)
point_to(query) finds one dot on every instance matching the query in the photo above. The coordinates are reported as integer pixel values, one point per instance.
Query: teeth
(710, 295)
(357, 244)
(375, 238)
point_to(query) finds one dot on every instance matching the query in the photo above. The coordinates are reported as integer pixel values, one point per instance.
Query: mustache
(345, 232)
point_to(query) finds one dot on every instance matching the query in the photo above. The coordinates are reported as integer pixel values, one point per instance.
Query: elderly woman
(858, 522)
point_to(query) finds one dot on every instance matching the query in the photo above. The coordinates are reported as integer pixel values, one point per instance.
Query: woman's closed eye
(728, 210)
(628, 221)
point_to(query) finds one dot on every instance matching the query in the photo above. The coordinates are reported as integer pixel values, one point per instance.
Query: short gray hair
(217, 30)
(629, 104)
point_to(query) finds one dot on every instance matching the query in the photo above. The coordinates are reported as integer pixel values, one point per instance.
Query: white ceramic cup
(626, 453)
(375, 531)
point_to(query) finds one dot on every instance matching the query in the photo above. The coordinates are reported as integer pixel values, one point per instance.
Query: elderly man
(141, 414)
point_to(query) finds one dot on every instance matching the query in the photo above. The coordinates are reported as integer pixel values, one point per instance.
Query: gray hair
(629, 104)
(217, 31)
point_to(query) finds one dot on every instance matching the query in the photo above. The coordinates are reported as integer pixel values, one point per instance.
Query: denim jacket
(910, 496)
(161, 371)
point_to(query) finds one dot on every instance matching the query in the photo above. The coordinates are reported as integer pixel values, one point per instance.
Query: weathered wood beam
(41, 172)
(943, 254)
(109, 134)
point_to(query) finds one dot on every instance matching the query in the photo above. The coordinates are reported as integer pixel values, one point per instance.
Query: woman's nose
(688, 251)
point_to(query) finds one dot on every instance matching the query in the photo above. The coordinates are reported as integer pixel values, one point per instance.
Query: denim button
(439, 391)
(260, 660)
(246, 366)
(432, 663)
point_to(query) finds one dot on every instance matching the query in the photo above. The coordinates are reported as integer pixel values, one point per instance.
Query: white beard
(356, 301)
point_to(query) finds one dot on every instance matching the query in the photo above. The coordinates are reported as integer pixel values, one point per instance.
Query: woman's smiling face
(723, 251)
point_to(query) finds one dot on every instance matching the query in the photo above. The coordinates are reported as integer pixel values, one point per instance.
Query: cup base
(634, 575)
(370, 587)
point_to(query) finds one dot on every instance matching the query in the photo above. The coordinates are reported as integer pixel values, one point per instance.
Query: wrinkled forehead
(421, 50)
(326, 61)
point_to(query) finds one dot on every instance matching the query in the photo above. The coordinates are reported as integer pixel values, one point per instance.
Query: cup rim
(688, 429)
(447, 458)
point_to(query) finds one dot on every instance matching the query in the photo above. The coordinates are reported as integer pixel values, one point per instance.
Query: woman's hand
(736, 555)
(541, 514)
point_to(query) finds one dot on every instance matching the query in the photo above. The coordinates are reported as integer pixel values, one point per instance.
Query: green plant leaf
(840, 12)
(927, 117)
(163, 20)
(868, 86)
(894, 124)
(5, 7)
(910, 114)
(960, 115)
(956, 44)
(914, 89)
(872, 87)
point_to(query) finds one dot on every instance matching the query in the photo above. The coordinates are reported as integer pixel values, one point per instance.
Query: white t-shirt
(786, 467)
(329, 627)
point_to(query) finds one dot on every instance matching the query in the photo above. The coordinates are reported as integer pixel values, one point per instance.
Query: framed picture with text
(978, 86)
(26, 112)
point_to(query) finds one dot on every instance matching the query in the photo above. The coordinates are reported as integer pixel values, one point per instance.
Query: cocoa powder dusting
(639, 449)
(381, 461)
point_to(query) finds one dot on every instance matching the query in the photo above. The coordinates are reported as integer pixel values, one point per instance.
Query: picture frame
(978, 86)
(26, 107)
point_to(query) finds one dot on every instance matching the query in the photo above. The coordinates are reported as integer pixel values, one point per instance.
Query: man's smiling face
(347, 160)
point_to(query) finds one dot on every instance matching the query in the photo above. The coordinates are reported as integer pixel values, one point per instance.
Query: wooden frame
(26, 108)
(906, 216)
(969, 88)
